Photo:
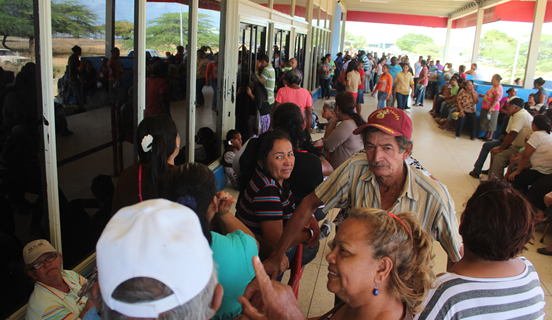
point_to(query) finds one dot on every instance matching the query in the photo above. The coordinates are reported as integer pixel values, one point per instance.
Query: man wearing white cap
(55, 292)
(153, 260)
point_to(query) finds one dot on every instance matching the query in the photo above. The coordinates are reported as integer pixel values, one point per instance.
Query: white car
(150, 53)
(7, 56)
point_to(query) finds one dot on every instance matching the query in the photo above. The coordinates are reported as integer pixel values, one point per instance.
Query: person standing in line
(116, 76)
(211, 77)
(394, 69)
(267, 78)
(384, 87)
(404, 85)
(417, 70)
(73, 73)
(423, 80)
(201, 68)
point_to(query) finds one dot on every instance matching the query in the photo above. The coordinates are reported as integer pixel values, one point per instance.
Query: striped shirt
(353, 185)
(264, 200)
(269, 75)
(50, 303)
(459, 297)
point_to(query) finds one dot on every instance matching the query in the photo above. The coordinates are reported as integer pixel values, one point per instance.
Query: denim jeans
(325, 84)
(213, 83)
(402, 100)
(485, 149)
(421, 95)
(381, 99)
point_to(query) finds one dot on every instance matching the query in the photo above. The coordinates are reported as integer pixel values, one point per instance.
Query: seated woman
(512, 93)
(465, 106)
(379, 266)
(491, 280)
(194, 186)
(266, 203)
(538, 149)
(158, 145)
(341, 142)
(55, 294)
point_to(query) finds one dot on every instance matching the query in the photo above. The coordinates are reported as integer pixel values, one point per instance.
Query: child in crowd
(232, 145)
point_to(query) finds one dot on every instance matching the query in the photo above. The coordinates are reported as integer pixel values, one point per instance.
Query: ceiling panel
(436, 8)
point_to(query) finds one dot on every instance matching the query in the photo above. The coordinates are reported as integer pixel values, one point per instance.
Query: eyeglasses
(48, 259)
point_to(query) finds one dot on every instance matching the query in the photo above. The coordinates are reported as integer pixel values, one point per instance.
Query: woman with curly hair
(379, 266)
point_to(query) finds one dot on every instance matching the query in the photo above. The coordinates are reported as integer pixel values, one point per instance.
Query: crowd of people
(172, 248)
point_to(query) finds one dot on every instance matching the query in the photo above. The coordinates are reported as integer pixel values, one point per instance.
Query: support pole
(532, 56)
(477, 40)
(447, 41)
(139, 74)
(48, 118)
(191, 80)
(109, 27)
(342, 42)
(308, 49)
(228, 68)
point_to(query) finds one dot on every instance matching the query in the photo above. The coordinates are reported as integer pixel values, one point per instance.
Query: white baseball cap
(34, 249)
(156, 239)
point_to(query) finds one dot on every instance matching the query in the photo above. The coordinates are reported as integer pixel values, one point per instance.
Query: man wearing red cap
(379, 178)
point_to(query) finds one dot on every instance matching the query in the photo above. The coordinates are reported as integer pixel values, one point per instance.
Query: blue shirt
(393, 70)
(339, 63)
(233, 255)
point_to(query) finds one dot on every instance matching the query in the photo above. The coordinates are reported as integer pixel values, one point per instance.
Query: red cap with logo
(392, 121)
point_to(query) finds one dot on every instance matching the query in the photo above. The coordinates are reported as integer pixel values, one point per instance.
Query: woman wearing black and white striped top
(491, 281)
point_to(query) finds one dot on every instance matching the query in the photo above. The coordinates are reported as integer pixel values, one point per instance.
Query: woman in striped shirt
(492, 280)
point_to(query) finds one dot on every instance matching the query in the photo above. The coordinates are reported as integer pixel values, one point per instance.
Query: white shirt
(520, 122)
(380, 69)
(418, 69)
(541, 159)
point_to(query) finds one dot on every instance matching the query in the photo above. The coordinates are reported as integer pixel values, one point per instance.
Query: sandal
(544, 251)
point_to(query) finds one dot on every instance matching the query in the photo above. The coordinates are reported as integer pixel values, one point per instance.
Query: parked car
(7, 56)
(150, 53)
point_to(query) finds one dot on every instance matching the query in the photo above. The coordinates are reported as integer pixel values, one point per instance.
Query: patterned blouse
(466, 99)
(489, 97)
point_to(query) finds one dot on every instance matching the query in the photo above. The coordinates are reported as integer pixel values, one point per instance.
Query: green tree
(410, 41)
(355, 42)
(164, 31)
(124, 28)
(17, 18)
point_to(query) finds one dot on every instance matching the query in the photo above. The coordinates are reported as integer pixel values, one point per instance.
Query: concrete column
(308, 49)
(139, 74)
(291, 43)
(109, 27)
(292, 10)
(43, 13)
(342, 42)
(335, 27)
(477, 40)
(447, 41)
(532, 56)
(191, 80)
(228, 67)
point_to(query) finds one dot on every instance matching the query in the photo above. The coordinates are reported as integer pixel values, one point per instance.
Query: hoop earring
(376, 291)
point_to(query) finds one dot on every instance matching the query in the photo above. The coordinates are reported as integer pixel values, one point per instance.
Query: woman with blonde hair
(379, 266)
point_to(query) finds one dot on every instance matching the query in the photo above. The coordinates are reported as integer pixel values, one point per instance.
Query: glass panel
(503, 50)
(250, 36)
(301, 10)
(544, 61)
(20, 177)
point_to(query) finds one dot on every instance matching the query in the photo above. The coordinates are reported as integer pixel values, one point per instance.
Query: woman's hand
(225, 202)
(461, 113)
(481, 95)
(513, 175)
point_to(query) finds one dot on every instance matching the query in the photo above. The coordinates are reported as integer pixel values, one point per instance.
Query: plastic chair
(296, 270)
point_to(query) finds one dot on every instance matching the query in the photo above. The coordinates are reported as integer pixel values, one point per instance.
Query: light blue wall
(335, 31)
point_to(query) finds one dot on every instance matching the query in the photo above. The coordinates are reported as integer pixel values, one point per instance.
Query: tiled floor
(450, 161)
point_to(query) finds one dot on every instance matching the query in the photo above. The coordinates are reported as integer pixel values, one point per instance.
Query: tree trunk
(4, 42)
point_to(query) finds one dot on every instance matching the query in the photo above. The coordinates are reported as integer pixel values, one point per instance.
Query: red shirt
(155, 89)
(361, 83)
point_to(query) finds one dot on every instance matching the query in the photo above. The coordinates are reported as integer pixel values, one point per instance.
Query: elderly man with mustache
(379, 177)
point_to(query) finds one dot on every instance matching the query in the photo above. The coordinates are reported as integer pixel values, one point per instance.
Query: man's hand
(313, 225)
(278, 300)
(496, 150)
(387, 98)
(275, 266)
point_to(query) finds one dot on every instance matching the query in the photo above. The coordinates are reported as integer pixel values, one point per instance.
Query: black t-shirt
(306, 174)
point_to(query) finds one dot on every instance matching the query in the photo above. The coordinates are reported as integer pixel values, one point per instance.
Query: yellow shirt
(403, 82)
